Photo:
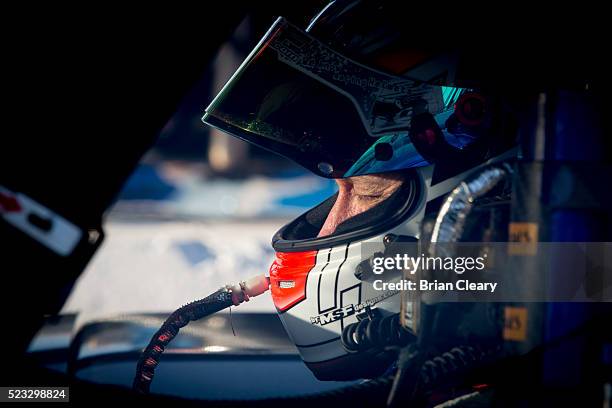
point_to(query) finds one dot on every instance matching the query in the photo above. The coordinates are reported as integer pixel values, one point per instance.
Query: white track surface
(159, 266)
(161, 252)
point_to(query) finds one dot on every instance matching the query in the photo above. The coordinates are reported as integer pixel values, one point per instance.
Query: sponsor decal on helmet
(349, 310)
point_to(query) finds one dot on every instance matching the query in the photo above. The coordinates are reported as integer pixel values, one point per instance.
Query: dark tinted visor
(297, 97)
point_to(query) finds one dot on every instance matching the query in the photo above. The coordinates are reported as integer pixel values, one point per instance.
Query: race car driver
(351, 98)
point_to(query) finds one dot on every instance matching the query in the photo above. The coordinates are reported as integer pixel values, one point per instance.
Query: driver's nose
(343, 209)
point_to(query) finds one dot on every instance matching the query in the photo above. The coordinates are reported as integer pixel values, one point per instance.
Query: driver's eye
(369, 197)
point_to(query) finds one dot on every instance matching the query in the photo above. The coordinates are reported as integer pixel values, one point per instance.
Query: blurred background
(199, 210)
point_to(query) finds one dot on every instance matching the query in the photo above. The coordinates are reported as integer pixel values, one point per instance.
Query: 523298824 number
(51, 394)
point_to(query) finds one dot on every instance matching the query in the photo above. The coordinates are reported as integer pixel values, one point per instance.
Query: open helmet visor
(297, 97)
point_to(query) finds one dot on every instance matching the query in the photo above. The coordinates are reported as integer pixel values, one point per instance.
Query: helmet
(353, 95)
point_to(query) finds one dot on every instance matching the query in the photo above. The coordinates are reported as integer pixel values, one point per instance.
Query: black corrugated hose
(446, 365)
(145, 369)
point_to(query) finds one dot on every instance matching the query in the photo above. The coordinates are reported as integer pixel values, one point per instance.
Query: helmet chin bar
(325, 298)
(321, 293)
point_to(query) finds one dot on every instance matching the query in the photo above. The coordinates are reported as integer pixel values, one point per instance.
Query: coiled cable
(230, 295)
(454, 363)
(149, 359)
(375, 333)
